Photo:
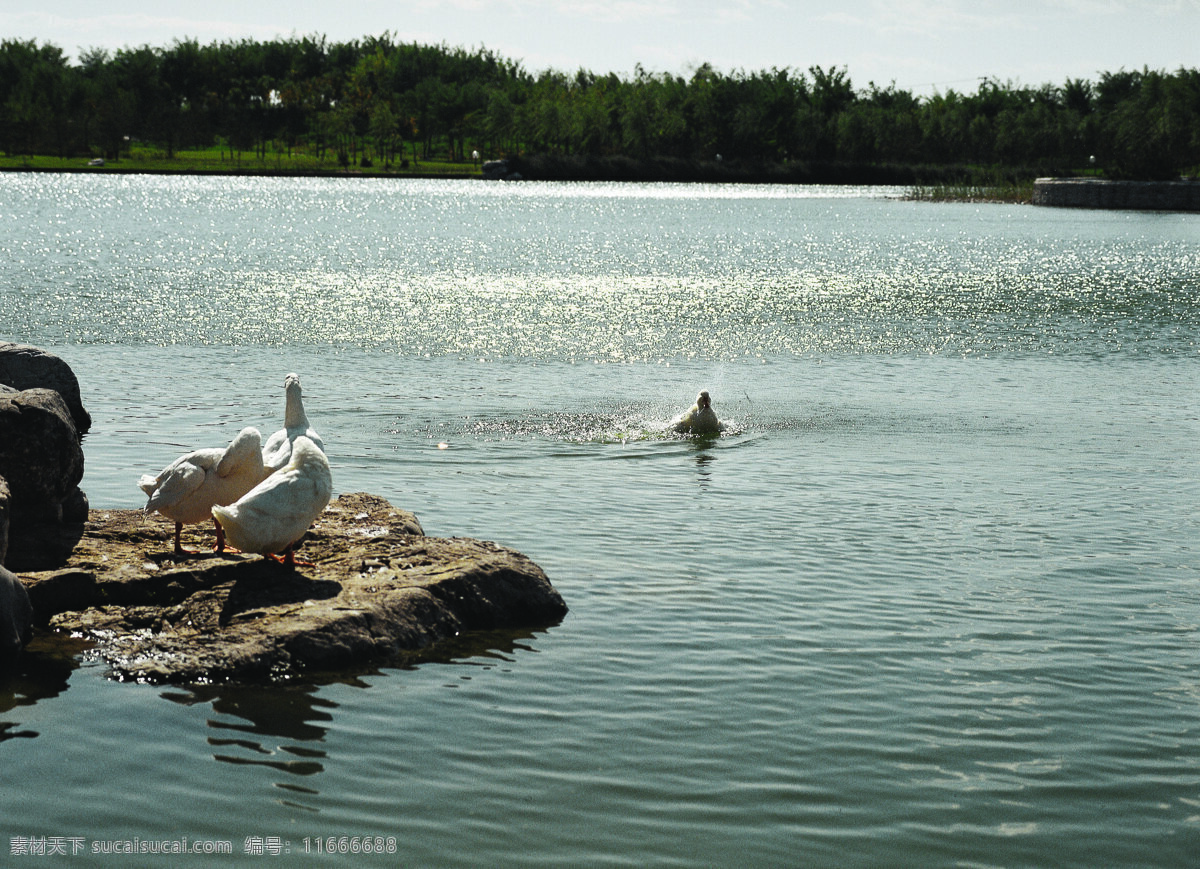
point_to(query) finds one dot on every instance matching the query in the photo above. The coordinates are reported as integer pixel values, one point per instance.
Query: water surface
(930, 600)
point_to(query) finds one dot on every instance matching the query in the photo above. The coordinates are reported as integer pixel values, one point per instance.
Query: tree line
(378, 99)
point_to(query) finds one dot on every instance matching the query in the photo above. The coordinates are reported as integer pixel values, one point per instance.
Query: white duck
(278, 450)
(700, 418)
(273, 516)
(187, 489)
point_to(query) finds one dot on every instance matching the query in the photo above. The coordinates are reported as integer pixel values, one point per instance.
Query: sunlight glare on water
(452, 268)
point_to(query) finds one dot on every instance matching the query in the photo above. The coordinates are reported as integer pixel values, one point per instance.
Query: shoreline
(1080, 192)
(915, 192)
(248, 173)
(547, 167)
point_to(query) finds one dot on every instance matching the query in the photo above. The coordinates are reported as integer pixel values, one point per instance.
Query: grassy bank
(224, 161)
(923, 183)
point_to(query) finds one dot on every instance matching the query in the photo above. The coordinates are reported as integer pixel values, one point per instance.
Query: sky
(922, 46)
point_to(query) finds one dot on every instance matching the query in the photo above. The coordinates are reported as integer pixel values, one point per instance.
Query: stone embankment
(1133, 195)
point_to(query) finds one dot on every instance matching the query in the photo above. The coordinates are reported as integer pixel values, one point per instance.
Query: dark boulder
(5, 501)
(23, 367)
(16, 616)
(42, 461)
(40, 455)
(500, 170)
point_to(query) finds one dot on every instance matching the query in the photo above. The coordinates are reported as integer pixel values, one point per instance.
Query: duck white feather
(700, 418)
(187, 489)
(273, 516)
(277, 451)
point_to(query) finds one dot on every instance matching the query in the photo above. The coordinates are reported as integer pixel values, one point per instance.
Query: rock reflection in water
(283, 726)
(41, 673)
(272, 718)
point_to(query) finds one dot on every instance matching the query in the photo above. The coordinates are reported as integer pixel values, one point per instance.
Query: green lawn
(214, 160)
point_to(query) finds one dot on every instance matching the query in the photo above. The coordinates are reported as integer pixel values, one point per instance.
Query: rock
(75, 507)
(5, 500)
(499, 170)
(16, 616)
(23, 367)
(42, 461)
(40, 455)
(41, 545)
(42, 421)
(378, 588)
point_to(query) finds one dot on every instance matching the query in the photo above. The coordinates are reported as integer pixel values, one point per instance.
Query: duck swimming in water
(700, 418)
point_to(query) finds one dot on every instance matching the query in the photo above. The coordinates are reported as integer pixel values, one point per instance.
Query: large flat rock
(377, 588)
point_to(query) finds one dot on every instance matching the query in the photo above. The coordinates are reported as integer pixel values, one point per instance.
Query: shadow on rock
(264, 584)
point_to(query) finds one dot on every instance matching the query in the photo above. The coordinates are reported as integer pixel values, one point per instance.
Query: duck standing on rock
(278, 450)
(273, 516)
(187, 489)
(700, 418)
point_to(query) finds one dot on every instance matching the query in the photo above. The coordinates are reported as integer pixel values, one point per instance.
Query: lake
(933, 598)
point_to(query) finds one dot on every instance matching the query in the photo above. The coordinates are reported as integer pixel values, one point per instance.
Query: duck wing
(182, 475)
(688, 419)
(184, 480)
(277, 512)
(242, 454)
